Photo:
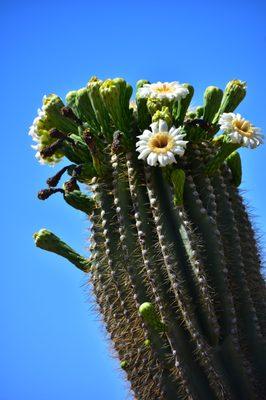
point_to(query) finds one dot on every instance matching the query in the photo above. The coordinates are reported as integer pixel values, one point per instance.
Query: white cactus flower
(41, 138)
(160, 145)
(241, 131)
(163, 90)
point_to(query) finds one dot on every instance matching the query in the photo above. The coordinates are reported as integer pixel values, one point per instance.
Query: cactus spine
(174, 264)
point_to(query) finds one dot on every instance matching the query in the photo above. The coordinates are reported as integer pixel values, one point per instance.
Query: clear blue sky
(52, 346)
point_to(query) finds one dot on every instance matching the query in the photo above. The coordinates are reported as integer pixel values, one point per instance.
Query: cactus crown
(174, 264)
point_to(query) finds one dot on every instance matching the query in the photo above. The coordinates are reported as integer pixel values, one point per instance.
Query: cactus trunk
(174, 264)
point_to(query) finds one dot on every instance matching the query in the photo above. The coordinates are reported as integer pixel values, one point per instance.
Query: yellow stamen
(164, 88)
(243, 127)
(161, 143)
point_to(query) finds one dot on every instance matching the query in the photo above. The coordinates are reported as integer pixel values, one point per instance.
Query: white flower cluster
(33, 132)
(241, 131)
(165, 90)
(160, 145)
(40, 135)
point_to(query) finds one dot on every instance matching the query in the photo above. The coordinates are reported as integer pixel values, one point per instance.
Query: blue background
(52, 345)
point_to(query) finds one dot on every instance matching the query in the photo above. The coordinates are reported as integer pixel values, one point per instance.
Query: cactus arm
(251, 257)
(218, 273)
(117, 284)
(176, 336)
(173, 271)
(130, 251)
(46, 240)
(120, 324)
(191, 244)
(248, 328)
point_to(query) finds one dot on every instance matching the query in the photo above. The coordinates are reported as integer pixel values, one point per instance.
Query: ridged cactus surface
(174, 262)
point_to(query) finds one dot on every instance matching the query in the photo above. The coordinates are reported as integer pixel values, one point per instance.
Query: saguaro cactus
(174, 264)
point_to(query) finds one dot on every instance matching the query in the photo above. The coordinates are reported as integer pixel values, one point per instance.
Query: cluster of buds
(93, 114)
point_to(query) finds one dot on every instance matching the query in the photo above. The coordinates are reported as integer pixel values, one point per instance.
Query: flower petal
(144, 153)
(163, 127)
(152, 159)
(155, 127)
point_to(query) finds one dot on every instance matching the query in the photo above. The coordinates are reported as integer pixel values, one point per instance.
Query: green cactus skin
(174, 263)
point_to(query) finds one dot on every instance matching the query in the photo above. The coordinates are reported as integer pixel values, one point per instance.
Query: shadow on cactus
(174, 264)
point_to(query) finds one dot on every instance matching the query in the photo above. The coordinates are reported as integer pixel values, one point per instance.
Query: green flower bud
(116, 95)
(154, 105)
(191, 115)
(84, 173)
(199, 111)
(71, 100)
(98, 106)
(212, 101)
(141, 82)
(52, 107)
(235, 165)
(180, 108)
(163, 114)
(178, 180)
(80, 102)
(148, 313)
(46, 240)
(234, 93)
(80, 201)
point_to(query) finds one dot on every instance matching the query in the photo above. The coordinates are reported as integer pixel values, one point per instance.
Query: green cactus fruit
(124, 364)
(148, 313)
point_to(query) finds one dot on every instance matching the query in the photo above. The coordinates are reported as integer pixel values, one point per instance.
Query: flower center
(244, 127)
(164, 88)
(161, 143)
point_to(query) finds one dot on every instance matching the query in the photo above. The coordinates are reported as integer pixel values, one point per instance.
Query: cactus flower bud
(98, 106)
(180, 108)
(163, 114)
(234, 163)
(212, 101)
(116, 94)
(46, 240)
(234, 93)
(79, 200)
